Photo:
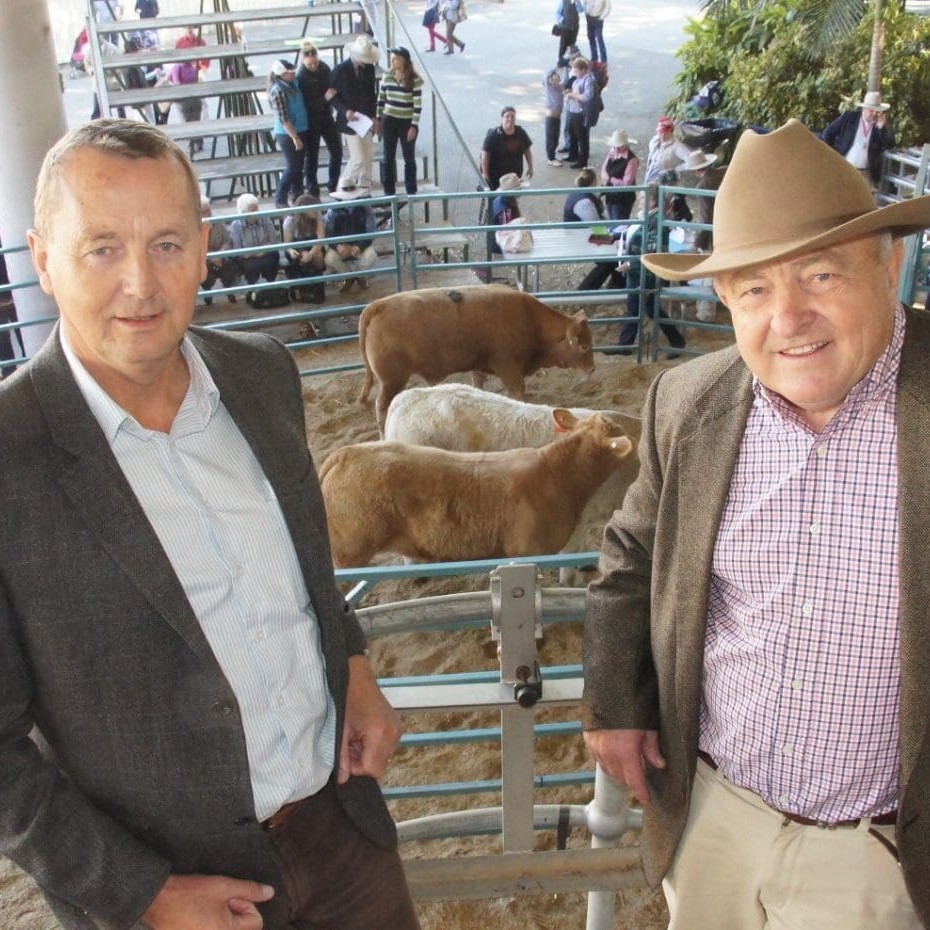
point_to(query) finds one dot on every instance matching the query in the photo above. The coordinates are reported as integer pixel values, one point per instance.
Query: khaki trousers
(739, 866)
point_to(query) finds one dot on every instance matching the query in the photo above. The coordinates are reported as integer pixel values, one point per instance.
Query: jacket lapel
(707, 455)
(97, 489)
(914, 534)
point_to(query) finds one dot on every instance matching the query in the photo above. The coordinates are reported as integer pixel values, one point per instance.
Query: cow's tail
(369, 379)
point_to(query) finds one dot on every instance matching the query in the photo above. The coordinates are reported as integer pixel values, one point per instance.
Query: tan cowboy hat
(696, 160)
(873, 101)
(509, 182)
(620, 139)
(362, 49)
(786, 192)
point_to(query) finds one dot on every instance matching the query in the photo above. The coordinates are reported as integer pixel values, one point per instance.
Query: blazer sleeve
(621, 686)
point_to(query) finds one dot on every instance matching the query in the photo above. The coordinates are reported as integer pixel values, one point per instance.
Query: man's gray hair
(121, 138)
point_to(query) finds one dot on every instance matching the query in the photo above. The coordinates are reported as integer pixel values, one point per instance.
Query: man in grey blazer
(757, 667)
(190, 732)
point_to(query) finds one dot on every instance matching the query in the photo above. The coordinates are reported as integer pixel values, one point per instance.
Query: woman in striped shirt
(399, 102)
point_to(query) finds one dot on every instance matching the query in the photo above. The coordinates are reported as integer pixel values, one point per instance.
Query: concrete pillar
(33, 116)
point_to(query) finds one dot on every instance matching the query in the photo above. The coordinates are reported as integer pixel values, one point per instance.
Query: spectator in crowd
(567, 21)
(219, 268)
(165, 577)
(618, 171)
(704, 176)
(505, 149)
(192, 39)
(350, 219)
(756, 663)
(353, 86)
(579, 91)
(503, 209)
(313, 79)
(147, 9)
(665, 152)
(430, 21)
(586, 206)
(187, 73)
(454, 13)
(862, 138)
(306, 259)
(290, 128)
(554, 103)
(247, 231)
(107, 50)
(644, 239)
(595, 12)
(400, 100)
(108, 11)
(7, 315)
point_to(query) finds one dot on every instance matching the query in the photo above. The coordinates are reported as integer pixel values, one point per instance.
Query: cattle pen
(514, 610)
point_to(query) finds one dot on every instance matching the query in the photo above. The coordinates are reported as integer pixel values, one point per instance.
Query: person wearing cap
(619, 170)
(863, 137)
(290, 129)
(504, 150)
(665, 152)
(313, 79)
(353, 92)
(400, 100)
(756, 657)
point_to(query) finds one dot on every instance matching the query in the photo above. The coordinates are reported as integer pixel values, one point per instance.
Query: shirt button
(807, 610)
(815, 529)
(797, 684)
(783, 800)
(280, 700)
(259, 636)
(787, 750)
(821, 450)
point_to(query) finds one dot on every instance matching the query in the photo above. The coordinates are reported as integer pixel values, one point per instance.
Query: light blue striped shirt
(221, 527)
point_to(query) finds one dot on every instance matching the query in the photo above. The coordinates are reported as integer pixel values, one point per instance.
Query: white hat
(362, 49)
(696, 160)
(873, 101)
(282, 67)
(509, 182)
(620, 139)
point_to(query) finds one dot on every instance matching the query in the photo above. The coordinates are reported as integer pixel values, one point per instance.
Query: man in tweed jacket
(756, 652)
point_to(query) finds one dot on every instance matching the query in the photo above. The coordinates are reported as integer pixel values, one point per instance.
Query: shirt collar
(200, 401)
(879, 380)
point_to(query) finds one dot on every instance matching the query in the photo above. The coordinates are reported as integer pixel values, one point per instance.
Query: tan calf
(438, 506)
(437, 332)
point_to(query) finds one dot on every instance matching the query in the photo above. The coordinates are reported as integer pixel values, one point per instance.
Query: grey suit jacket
(644, 635)
(122, 755)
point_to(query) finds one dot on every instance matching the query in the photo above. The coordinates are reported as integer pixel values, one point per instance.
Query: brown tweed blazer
(644, 635)
(137, 765)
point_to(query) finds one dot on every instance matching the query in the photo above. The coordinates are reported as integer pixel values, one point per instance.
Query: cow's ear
(580, 316)
(565, 420)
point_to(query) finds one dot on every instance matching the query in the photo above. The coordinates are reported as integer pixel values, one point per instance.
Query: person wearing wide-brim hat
(353, 82)
(863, 136)
(757, 668)
(619, 170)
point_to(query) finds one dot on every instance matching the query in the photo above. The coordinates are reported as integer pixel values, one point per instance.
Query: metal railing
(515, 608)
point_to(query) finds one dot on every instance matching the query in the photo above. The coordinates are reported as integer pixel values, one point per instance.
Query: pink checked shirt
(801, 688)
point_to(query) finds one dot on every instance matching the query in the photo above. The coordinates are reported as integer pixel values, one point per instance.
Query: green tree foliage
(764, 53)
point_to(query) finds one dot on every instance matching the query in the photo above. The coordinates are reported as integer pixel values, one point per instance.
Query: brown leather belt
(281, 816)
(880, 820)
